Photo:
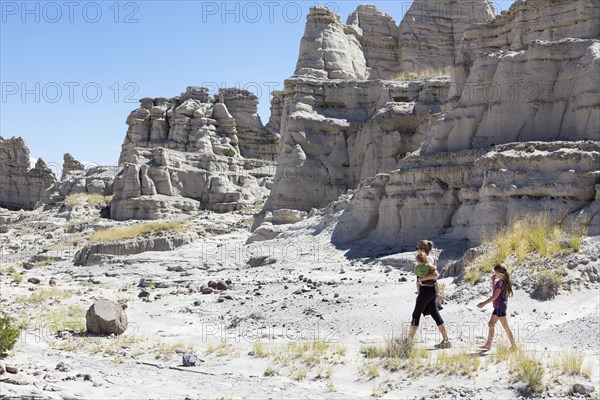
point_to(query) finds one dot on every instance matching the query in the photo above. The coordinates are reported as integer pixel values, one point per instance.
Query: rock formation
(103, 252)
(70, 165)
(427, 150)
(255, 141)
(470, 194)
(431, 32)
(371, 46)
(531, 74)
(337, 133)
(183, 154)
(22, 187)
(377, 34)
(330, 49)
(76, 179)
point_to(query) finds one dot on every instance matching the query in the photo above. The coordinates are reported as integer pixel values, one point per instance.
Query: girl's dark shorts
(499, 312)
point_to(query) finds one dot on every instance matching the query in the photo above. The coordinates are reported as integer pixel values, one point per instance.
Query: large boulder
(105, 317)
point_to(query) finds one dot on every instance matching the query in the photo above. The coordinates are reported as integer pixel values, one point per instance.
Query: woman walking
(426, 300)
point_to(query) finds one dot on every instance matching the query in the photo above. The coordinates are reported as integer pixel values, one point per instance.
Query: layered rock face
(525, 77)
(22, 187)
(431, 32)
(330, 49)
(192, 122)
(377, 34)
(471, 194)
(255, 141)
(76, 179)
(183, 154)
(337, 133)
(372, 46)
(532, 74)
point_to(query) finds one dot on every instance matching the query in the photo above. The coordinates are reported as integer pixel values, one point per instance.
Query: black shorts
(499, 312)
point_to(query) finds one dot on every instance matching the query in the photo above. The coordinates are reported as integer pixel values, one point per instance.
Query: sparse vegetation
(222, 349)
(546, 284)
(533, 235)
(70, 318)
(8, 334)
(17, 277)
(259, 349)
(531, 372)
(80, 199)
(165, 351)
(457, 363)
(331, 386)
(299, 373)
(425, 73)
(133, 231)
(503, 352)
(571, 363)
(44, 295)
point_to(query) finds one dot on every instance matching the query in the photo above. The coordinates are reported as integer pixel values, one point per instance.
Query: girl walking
(501, 289)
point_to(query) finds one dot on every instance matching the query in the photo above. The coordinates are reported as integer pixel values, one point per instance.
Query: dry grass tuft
(425, 73)
(44, 295)
(133, 231)
(80, 199)
(533, 235)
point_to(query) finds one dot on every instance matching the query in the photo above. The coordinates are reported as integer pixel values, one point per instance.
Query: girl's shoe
(443, 345)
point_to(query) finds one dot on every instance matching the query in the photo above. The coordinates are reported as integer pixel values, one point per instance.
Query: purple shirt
(501, 301)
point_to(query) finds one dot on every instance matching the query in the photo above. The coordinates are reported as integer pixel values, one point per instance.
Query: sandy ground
(346, 303)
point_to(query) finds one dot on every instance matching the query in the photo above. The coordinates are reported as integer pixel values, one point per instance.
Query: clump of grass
(424, 73)
(331, 386)
(533, 235)
(259, 349)
(373, 351)
(165, 351)
(44, 295)
(503, 352)
(396, 347)
(300, 373)
(110, 346)
(9, 334)
(531, 373)
(221, 350)
(546, 285)
(311, 352)
(17, 277)
(571, 363)
(80, 199)
(457, 363)
(66, 318)
(133, 231)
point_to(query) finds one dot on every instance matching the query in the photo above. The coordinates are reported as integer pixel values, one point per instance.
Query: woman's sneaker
(443, 345)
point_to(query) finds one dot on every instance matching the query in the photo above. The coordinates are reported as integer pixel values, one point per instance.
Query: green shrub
(8, 334)
(229, 152)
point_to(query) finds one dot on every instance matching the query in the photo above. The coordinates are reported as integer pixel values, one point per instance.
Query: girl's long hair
(502, 269)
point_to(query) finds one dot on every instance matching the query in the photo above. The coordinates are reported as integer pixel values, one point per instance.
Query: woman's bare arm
(488, 301)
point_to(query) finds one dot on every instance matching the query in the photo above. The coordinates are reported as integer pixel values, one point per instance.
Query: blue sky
(71, 71)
